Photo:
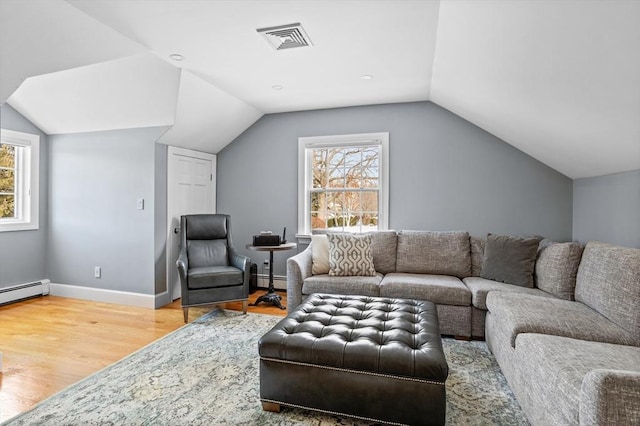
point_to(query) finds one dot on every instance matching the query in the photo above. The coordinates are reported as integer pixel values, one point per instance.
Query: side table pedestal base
(270, 297)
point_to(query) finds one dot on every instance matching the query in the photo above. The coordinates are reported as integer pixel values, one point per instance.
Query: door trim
(171, 151)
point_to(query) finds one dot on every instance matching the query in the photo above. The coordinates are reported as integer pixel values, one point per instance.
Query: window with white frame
(19, 167)
(343, 183)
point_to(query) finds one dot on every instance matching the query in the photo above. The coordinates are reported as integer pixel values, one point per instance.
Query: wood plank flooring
(49, 343)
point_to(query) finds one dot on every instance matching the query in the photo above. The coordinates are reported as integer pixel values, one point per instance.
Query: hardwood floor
(49, 343)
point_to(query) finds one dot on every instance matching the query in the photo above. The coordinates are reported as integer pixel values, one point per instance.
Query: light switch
(140, 204)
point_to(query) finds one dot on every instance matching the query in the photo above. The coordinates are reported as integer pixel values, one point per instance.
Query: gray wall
(445, 174)
(95, 180)
(23, 253)
(607, 209)
(160, 213)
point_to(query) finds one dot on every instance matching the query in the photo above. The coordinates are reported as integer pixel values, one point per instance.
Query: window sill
(18, 226)
(303, 238)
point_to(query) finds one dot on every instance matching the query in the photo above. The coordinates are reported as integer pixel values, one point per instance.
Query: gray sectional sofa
(575, 362)
(568, 342)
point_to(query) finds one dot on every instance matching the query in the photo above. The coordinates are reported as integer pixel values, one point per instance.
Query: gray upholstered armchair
(210, 269)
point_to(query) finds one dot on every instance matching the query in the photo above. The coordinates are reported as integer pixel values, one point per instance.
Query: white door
(191, 189)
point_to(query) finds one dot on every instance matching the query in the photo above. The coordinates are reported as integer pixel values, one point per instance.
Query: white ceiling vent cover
(286, 36)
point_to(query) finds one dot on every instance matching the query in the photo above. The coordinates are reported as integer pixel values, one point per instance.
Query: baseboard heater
(23, 291)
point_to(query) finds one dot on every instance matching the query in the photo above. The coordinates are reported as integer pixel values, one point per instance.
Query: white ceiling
(559, 80)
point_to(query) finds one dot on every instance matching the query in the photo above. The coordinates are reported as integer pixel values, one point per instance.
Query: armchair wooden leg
(244, 306)
(185, 312)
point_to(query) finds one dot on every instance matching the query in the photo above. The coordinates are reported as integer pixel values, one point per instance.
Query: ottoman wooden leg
(271, 406)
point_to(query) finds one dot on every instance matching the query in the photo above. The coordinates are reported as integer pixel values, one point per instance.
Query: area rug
(206, 373)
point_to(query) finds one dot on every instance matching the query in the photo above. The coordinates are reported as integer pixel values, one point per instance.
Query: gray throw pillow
(350, 254)
(477, 255)
(510, 259)
(557, 267)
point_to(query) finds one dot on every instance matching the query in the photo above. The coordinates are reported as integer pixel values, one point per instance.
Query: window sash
(26, 175)
(306, 145)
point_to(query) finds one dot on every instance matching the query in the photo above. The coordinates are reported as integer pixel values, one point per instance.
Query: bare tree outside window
(345, 188)
(7, 180)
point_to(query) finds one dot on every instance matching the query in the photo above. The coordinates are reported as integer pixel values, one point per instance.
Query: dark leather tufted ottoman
(372, 358)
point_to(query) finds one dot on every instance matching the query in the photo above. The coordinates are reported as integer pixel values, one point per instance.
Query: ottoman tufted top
(380, 335)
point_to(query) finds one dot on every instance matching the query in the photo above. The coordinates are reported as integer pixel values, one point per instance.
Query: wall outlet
(266, 265)
(97, 272)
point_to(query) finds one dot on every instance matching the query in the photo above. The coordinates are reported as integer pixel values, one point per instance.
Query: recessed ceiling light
(176, 57)
(366, 77)
(277, 87)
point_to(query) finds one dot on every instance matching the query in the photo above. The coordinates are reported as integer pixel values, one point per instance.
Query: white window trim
(30, 220)
(305, 172)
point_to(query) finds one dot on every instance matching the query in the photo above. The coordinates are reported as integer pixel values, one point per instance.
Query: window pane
(7, 180)
(7, 155)
(7, 206)
(319, 220)
(352, 201)
(319, 168)
(318, 201)
(334, 202)
(370, 201)
(334, 209)
(336, 170)
(370, 167)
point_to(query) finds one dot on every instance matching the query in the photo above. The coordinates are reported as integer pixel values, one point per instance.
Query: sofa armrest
(610, 397)
(299, 267)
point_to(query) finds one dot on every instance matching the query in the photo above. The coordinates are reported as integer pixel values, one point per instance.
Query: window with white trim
(19, 167)
(343, 183)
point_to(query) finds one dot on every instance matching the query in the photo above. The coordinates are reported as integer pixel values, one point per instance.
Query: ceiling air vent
(286, 36)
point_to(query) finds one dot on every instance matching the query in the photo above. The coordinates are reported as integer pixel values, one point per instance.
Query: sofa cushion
(480, 287)
(609, 281)
(383, 249)
(510, 259)
(524, 313)
(350, 254)
(439, 289)
(477, 255)
(365, 286)
(436, 253)
(552, 371)
(319, 254)
(557, 267)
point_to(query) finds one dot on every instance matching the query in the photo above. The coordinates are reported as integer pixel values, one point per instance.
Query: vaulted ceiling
(559, 80)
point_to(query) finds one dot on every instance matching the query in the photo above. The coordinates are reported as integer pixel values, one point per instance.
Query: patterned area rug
(207, 373)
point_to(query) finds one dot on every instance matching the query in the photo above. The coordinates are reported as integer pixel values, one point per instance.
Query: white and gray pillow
(350, 254)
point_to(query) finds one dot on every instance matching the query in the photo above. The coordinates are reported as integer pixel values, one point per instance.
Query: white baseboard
(162, 299)
(279, 281)
(105, 296)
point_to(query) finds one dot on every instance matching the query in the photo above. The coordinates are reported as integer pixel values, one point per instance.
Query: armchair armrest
(610, 397)
(299, 267)
(183, 265)
(243, 263)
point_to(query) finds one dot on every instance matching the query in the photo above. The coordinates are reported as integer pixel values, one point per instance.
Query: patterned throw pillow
(350, 254)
